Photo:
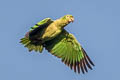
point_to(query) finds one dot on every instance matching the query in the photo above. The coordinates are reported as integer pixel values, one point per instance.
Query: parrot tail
(30, 45)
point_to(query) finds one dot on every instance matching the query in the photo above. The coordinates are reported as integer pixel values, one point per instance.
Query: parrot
(50, 35)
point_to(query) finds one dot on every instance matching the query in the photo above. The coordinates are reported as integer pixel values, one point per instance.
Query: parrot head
(69, 18)
(65, 20)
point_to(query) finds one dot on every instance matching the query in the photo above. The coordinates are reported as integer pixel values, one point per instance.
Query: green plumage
(27, 43)
(66, 47)
(32, 44)
(51, 35)
(45, 21)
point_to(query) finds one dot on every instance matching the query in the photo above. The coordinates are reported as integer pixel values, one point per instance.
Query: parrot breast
(50, 32)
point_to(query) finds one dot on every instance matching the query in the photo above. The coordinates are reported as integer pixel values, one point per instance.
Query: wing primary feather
(89, 60)
(68, 62)
(62, 60)
(78, 67)
(87, 57)
(65, 61)
(74, 67)
(81, 65)
(88, 65)
(71, 65)
(84, 65)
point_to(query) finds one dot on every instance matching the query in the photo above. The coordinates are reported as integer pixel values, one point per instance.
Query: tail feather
(31, 46)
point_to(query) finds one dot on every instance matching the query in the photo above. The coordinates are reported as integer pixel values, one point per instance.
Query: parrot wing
(45, 21)
(38, 28)
(34, 33)
(66, 47)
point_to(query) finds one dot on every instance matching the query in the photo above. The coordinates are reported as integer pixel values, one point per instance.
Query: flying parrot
(51, 35)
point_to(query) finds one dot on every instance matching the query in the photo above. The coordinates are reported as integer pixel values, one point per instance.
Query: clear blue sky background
(96, 26)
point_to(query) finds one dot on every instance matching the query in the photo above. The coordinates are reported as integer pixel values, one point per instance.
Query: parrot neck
(61, 23)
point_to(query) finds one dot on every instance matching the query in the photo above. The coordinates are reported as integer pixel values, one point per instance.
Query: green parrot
(51, 35)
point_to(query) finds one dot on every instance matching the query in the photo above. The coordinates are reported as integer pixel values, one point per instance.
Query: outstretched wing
(30, 40)
(37, 29)
(45, 21)
(66, 47)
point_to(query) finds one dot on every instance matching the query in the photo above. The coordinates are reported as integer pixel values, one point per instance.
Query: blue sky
(96, 27)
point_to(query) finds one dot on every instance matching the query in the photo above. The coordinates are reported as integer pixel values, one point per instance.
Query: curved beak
(71, 20)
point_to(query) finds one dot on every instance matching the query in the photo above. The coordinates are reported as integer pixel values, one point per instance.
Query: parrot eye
(67, 16)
